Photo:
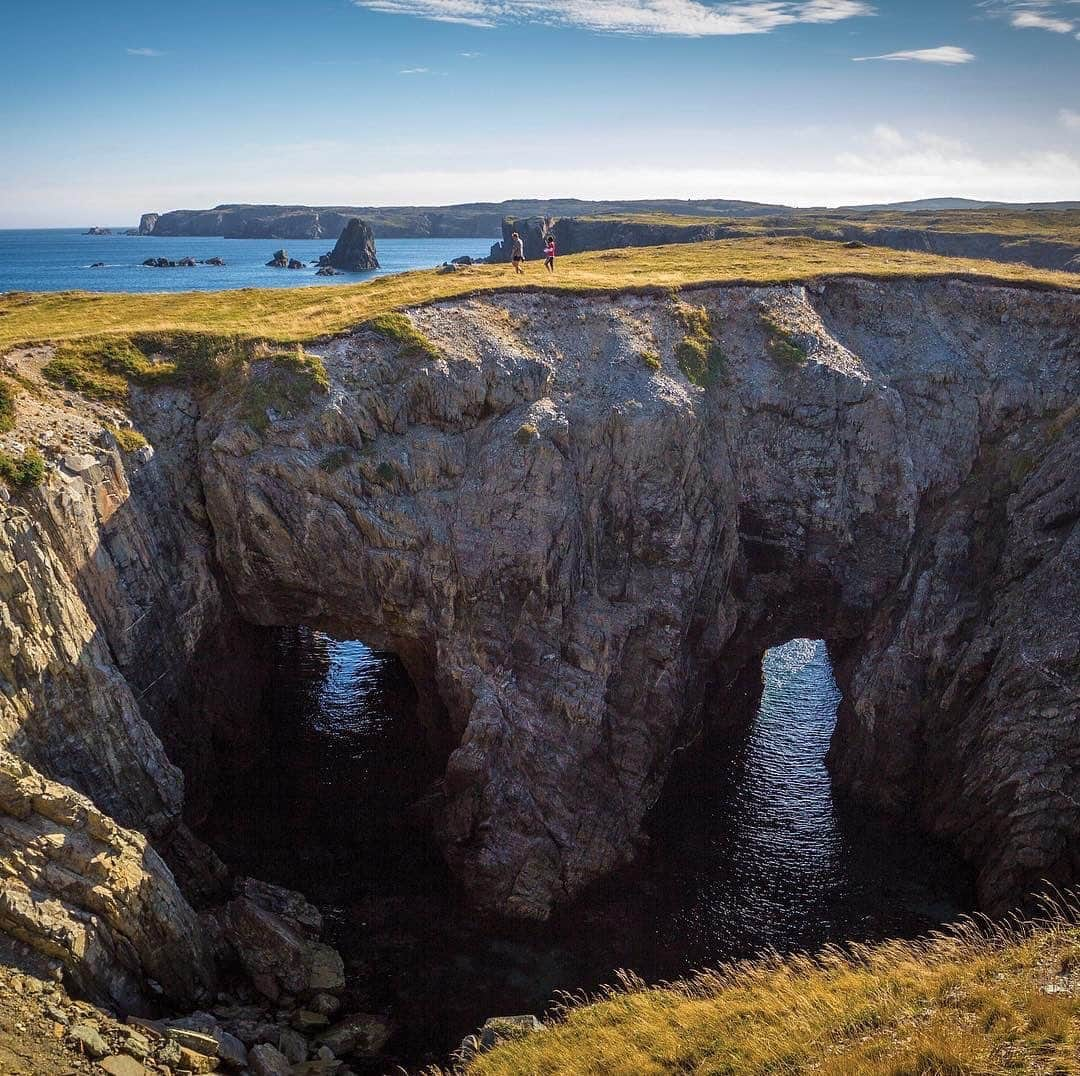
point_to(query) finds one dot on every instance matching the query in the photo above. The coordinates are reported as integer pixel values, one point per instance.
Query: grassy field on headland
(965, 1003)
(1057, 225)
(299, 314)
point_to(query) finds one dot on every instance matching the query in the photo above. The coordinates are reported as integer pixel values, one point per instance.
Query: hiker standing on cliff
(549, 254)
(517, 252)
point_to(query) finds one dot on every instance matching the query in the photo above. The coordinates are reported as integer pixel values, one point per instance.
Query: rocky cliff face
(578, 552)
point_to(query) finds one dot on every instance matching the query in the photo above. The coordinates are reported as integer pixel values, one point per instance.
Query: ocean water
(761, 855)
(60, 259)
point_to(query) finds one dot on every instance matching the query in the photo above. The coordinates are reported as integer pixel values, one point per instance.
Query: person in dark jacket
(517, 253)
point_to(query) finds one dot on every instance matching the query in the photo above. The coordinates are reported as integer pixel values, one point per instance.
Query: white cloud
(415, 71)
(1035, 20)
(144, 52)
(470, 55)
(686, 18)
(1069, 119)
(1056, 16)
(944, 54)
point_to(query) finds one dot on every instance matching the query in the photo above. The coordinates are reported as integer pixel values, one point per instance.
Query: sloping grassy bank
(965, 1003)
(299, 314)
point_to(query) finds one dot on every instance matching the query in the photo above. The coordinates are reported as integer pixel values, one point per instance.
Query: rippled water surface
(757, 854)
(61, 259)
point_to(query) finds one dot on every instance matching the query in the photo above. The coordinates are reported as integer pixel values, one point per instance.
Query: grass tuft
(7, 406)
(651, 359)
(335, 459)
(698, 354)
(129, 440)
(780, 345)
(23, 472)
(410, 340)
(526, 434)
(282, 383)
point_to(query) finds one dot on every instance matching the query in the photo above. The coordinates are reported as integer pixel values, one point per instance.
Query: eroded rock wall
(585, 551)
(107, 594)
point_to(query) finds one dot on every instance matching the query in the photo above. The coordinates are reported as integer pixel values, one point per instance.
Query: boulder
(354, 251)
(187, 263)
(362, 1034)
(507, 1028)
(280, 260)
(97, 265)
(277, 950)
(295, 263)
(329, 270)
(265, 1060)
(293, 1045)
(214, 261)
(122, 1065)
(89, 1040)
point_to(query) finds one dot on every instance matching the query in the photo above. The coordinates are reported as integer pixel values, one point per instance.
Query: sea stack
(354, 251)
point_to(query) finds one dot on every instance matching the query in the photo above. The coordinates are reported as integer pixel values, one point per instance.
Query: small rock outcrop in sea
(97, 265)
(166, 263)
(98, 231)
(354, 251)
(280, 260)
(214, 261)
(328, 270)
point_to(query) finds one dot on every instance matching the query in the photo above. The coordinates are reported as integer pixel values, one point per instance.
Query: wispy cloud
(943, 54)
(415, 71)
(1069, 119)
(144, 52)
(470, 55)
(1034, 20)
(685, 18)
(1055, 16)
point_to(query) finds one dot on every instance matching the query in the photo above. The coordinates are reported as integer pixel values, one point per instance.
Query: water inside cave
(762, 854)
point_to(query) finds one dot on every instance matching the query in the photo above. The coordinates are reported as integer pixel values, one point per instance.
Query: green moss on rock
(22, 472)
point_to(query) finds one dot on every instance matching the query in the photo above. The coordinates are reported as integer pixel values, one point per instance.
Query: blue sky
(117, 107)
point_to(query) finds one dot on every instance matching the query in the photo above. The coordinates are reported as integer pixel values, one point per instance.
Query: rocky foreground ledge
(579, 522)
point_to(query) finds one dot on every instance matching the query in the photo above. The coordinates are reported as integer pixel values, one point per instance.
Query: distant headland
(481, 218)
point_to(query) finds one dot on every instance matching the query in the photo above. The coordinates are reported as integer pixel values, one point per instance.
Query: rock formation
(532, 231)
(354, 252)
(577, 555)
(580, 598)
(93, 896)
(147, 223)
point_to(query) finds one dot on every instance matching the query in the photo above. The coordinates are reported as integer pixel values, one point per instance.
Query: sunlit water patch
(759, 855)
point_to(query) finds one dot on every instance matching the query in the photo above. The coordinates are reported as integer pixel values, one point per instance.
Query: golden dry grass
(1057, 225)
(966, 1003)
(301, 314)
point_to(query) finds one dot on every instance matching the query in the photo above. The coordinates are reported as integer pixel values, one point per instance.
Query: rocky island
(354, 251)
(579, 516)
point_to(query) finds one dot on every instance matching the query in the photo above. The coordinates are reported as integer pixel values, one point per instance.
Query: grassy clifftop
(306, 313)
(969, 1003)
(1056, 225)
